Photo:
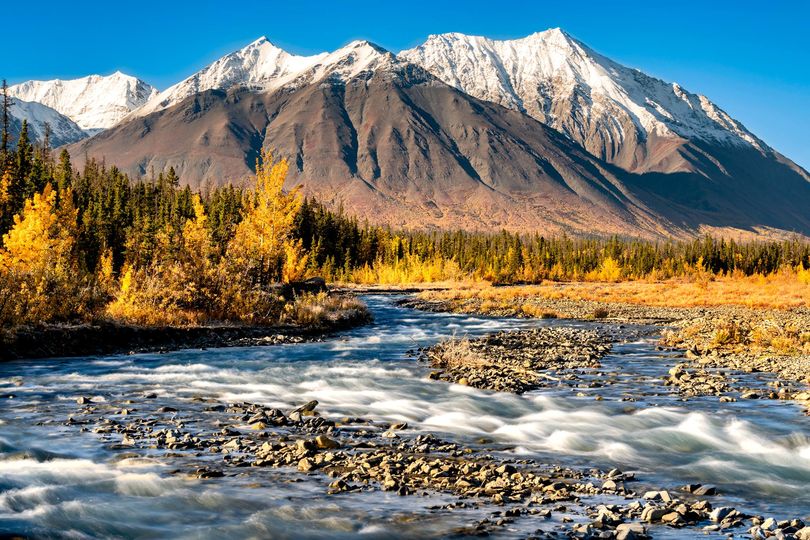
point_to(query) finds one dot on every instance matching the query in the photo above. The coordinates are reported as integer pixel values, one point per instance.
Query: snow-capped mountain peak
(63, 130)
(348, 62)
(257, 65)
(562, 82)
(263, 67)
(94, 102)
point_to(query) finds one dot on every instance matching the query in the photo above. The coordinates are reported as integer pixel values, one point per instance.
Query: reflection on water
(57, 480)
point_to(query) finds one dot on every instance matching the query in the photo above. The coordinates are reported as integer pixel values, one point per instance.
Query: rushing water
(58, 480)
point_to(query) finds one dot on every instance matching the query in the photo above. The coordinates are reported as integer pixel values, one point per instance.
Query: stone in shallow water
(719, 514)
(631, 531)
(705, 490)
(324, 442)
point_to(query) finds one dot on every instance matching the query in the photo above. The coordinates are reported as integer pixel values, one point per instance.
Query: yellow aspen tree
(195, 255)
(295, 261)
(104, 272)
(257, 249)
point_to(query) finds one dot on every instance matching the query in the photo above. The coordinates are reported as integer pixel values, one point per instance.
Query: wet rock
(631, 531)
(658, 496)
(653, 514)
(306, 465)
(324, 442)
(719, 514)
(705, 491)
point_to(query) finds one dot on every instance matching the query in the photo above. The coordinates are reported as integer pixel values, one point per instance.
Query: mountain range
(534, 134)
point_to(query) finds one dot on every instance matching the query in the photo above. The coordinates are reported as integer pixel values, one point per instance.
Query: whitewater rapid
(58, 480)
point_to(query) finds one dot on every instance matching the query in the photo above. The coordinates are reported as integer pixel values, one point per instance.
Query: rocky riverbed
(361, 455)
(518, 361)
(717, 342)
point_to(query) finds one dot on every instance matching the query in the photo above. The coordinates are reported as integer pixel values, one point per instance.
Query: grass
(780, 291)
(315, 310)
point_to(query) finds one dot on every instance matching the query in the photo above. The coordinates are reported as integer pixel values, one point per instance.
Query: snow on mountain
(565, 84)
(261, 66)
(255, 66)
(63, 129)
(94, 102)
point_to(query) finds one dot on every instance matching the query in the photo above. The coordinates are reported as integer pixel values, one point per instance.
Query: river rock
(324, 442)
(653, 514)
(631, 531)
(719, 514)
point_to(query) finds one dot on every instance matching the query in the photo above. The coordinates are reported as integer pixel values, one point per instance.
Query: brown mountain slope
(395, 145)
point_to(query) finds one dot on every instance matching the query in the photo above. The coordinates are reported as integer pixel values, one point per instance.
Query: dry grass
(781, 291)
(319, 309)
(458, 353)
(760, 334)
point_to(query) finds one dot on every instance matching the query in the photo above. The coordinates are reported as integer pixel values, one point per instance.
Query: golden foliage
(260, 244)
(609, 270)
(776, 291)
(408, 269)
(178, 287)
(39, 281)
(803, 274)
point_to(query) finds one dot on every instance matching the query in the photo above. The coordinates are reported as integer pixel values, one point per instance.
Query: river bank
(716, 340)
(106, 337)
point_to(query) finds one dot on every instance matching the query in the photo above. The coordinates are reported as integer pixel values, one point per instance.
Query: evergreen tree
(4, 136)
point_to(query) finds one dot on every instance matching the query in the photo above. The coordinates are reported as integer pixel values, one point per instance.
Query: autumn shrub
(154, 297)
(803, 274)
(600, 313)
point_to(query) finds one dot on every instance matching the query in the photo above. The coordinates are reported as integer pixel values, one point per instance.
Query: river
(58, 480)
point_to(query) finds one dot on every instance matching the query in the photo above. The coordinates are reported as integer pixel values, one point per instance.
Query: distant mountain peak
(63, 130)
(93, 102)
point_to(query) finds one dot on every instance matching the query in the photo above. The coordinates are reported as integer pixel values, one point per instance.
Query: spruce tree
(4, 155)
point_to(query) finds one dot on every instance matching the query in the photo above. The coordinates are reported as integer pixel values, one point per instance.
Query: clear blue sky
(751, 58)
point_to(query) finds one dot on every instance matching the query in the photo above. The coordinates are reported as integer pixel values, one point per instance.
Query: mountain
(260, 66)
(394, 143)
(618, 114)
(94, 102)
(63, 129)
